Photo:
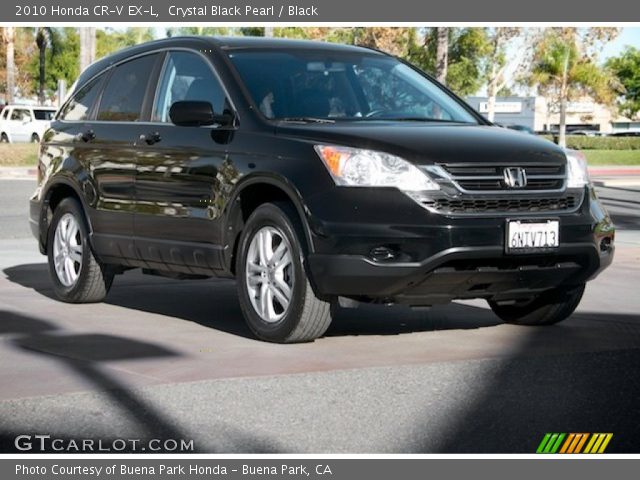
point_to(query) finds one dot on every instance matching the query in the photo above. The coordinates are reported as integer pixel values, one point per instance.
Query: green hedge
(582, 142)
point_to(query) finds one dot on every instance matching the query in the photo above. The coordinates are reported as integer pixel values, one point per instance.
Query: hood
(429, 143)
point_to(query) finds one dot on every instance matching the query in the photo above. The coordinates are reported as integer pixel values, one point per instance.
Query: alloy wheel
(269, 273)
(67, 250)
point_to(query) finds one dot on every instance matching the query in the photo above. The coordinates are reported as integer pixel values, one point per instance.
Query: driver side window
(187, 77)
(21, 115)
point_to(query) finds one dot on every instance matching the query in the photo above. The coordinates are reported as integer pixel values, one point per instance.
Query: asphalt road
(170, 359)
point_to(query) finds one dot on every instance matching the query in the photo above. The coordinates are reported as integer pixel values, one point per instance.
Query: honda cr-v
(315, 174)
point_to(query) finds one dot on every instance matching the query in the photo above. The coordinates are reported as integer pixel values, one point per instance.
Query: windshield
(342, 86)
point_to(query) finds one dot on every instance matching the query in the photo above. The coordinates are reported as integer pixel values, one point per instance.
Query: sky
(629, 36)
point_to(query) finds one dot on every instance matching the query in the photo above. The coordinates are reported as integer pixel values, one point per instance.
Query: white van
(24, 123)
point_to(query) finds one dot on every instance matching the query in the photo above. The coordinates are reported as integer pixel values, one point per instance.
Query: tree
(626, 67)
(109, 40)
(442, 54)
(467, 52)
(8, 37)
(61, 61)
(565, 67)
(497, 41)
(210, 31)
(391, 40)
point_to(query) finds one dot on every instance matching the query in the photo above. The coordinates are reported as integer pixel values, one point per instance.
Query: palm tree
(562, 71)
(9, 38)
(44, 38)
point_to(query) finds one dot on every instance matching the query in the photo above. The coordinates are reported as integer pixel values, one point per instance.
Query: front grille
(501, 205)
(479, 178)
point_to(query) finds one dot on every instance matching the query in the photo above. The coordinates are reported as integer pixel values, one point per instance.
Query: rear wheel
(35, 138)
(4, 138)
(275, 295)
(76, 274)
(548, 308)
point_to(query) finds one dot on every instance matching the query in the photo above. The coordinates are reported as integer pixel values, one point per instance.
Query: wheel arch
(249, 195)
(56, 191)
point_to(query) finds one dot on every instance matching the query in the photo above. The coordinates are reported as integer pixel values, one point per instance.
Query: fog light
(605, 244)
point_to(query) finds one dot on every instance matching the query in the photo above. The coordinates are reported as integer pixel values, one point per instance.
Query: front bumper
(441, 258)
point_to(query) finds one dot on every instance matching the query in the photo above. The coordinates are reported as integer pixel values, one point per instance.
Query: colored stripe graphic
(543, 443)
(581, 443)
(574, 443)
(565, 447)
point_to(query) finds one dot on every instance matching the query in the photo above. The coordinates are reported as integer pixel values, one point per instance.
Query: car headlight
(368, 168)
(577, 173)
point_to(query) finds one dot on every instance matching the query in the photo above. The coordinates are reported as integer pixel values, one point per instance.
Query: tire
(4, 138)
(35, 138)
(305, 317)
(548, 308)
(77, 276)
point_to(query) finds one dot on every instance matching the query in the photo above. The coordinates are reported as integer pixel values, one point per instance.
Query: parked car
(627, 133)
(586, 133)
(24, 123)
(519, 128)
(316, 175)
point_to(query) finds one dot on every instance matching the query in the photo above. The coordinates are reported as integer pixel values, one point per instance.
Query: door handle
(151, 138)
(87, 135)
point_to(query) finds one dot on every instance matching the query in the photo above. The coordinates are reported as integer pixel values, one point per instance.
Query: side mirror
(193, 113)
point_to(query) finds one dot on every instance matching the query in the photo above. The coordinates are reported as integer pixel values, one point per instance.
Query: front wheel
(548, 308)
(76, 274)
(35, 138)
(275, 295)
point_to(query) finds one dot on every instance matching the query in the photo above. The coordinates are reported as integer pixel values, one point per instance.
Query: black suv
(315, 174)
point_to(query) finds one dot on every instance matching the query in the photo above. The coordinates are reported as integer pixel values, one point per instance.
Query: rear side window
(124, 94)
(187, 76)
(43, 114)
(79, 107)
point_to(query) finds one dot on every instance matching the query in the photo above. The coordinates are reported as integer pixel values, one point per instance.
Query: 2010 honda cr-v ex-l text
(315, 174)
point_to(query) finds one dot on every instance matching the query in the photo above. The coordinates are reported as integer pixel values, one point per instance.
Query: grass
(26, 154)
(612, 157)
(18, 154)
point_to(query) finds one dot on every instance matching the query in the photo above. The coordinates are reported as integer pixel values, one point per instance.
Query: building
(535, 113)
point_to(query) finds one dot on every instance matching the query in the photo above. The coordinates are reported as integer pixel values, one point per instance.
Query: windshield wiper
(307, 120)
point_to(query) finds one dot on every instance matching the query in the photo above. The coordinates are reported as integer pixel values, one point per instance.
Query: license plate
(523, 236)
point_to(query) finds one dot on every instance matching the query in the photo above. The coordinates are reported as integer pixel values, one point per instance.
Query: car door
(178, 172)
(109, 153)
(19, 124)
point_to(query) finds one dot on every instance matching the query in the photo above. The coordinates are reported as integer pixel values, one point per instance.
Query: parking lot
(173, 359)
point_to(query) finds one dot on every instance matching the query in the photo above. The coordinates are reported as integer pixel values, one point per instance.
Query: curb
(31, 172)
(8, 173)
(614, 171)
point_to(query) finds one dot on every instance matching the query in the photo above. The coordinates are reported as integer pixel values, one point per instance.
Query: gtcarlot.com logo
(47, 443)
(574, 443)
